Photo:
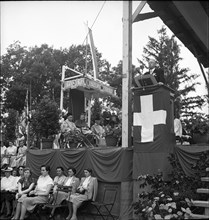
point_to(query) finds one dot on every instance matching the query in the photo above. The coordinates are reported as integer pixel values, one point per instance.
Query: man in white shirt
(178, 129)
(8, 189)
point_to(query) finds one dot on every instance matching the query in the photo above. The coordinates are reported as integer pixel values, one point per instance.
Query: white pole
(127, 74)
(89, 112)
(62, 89)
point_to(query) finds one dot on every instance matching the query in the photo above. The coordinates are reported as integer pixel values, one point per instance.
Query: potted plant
(199, 128)
(45, 122)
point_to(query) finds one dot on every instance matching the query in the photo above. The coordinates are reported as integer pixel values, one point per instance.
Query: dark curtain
(108, 164)
(188, 156)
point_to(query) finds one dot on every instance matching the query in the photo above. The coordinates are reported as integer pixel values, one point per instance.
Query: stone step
(196, 216)
(203, 190)
(205, 179)
(200, 203)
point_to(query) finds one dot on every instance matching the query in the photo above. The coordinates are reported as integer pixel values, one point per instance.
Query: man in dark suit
(156, 72)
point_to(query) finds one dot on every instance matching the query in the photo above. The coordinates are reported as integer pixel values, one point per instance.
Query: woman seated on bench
(87, 190)
(71, 180)
(25, 185)
(40, 194)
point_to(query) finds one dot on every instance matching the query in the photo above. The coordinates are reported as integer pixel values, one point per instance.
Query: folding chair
(105, 207)
(54, 206)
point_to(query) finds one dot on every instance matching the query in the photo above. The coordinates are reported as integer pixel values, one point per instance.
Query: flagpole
(27, 120)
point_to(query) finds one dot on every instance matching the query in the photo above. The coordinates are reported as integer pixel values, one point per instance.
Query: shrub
(172, 199)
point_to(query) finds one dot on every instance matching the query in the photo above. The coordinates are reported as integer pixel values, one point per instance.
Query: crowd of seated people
(102, 125)
(25, 192)
(12, 155)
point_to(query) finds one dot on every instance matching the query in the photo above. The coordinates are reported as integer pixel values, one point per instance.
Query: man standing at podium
(156, 72)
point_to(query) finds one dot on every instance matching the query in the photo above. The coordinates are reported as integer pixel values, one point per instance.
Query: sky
(62, 23)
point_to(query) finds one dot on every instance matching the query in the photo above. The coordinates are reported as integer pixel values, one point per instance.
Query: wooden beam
(145, 16)
(127, 74)
(138, 10)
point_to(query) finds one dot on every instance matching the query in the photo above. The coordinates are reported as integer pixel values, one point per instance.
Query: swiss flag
(152, 120)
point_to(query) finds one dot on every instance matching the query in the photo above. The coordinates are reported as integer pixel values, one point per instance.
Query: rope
(78, 60)
(94, 20)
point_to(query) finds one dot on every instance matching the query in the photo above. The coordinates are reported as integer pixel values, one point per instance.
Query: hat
(8, 169)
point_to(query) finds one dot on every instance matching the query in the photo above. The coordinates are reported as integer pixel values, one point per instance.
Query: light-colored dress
(58, 180)
(10, 151)
(68, 126)
(70, 181)
(90, 186)
(20, 159)
(99, 132)
(42, 184)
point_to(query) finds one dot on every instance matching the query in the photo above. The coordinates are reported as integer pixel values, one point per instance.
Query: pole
(89, 111)
(127, 74)
(27, 120)
(62, 89)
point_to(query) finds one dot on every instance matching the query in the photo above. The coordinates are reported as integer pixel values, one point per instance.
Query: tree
(167, 53)
(15, 98)
(45, 120)
(10, 125)
(38, 69)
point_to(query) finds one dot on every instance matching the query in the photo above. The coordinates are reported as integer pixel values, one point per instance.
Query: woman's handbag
(80, 191)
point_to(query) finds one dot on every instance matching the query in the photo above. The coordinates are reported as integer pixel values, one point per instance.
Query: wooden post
(127, 74)
(62, 89)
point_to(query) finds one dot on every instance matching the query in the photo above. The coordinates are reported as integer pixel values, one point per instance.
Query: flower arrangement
(159, 199)
(162, 202)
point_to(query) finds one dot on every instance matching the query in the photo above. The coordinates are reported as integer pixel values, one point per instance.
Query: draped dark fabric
(118, 167)
(150, 163)
(108, 164)
(188, 155)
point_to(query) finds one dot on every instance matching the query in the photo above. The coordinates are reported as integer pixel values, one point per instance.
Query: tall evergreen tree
(167, 53)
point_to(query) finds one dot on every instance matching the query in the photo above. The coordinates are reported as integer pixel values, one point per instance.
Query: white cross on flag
(147, 118)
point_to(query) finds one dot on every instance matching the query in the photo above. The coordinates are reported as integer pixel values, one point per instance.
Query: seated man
(81, 123)
(8, 190)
